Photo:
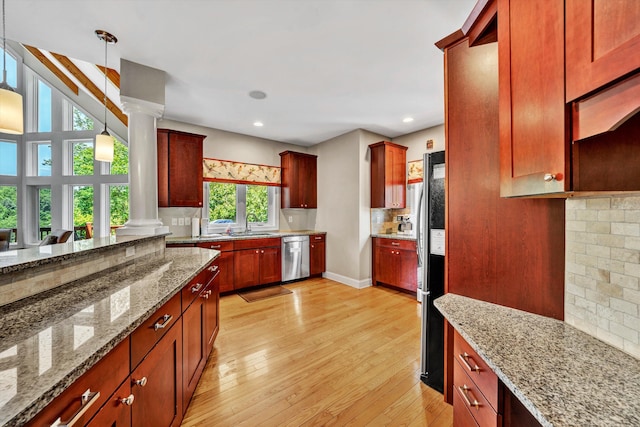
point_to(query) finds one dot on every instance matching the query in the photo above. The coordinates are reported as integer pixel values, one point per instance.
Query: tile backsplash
(384, 221)
(602, 272)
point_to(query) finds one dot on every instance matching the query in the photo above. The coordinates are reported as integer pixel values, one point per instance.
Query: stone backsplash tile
(602, 271)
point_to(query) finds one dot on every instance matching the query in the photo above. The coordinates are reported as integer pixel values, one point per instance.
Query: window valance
(414, 171)
(240, 173)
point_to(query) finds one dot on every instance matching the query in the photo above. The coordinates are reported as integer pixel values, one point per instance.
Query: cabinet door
(211, 312)
(602, 40)
(534, 148)
(246, 268)
(397, 182)
(116, 412)
(270, 265)
(385, 265)
(225, 261)
(185, 170)
(193, 346)
(163, 169)
(316, 258)
(408, 270)
(159, 401)
(309, 190)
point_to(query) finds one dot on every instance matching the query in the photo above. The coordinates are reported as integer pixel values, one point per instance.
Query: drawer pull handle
(395, 244)
(128, 400)
(465, 360)
(196, 288)
(141, 382)
(466, 392)
(165, 321)
(213, 268)
(215, 246)
(548, 177)
(87, 400)
(318, 238)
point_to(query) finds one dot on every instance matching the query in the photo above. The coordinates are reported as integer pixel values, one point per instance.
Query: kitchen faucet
(247, 226)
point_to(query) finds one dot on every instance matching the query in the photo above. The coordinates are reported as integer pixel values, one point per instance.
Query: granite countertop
(241, 236)
(49, 340)
(396, 236)
(565, 377)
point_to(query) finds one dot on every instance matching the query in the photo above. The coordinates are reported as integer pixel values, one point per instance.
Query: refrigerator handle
(419, 226)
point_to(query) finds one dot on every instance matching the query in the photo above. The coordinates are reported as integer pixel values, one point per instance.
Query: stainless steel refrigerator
(430, 242)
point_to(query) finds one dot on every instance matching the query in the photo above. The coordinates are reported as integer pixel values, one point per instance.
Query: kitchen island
(563, 376)
(50, 339)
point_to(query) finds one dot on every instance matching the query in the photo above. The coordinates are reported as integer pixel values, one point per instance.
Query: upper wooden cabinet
(603, 41)
(388, 175)
(179, 168)
(299, 180)
(534, 145)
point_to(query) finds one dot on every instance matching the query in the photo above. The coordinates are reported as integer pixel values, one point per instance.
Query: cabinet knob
(128, 400)
(548, 177)
(141, 382)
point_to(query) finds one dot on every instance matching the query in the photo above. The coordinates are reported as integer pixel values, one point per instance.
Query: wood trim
(477, 13)
(112, 75)
(91, 87)
(53, 68)
(449, 40)
(238, 181)
(484, 28)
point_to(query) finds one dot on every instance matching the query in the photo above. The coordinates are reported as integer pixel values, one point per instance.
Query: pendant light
(11, 119)
(104, 141)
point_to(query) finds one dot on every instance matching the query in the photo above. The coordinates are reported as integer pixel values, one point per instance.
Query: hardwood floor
(327, 354)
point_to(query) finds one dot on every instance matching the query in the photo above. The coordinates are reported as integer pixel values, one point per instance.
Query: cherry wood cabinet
(257, 262)
(224, 261)
(179, 168)
(388, 175)
(157, 383)
(212, 312)
(317, 254)
(298, 180)
(116, 412)
(395, 263)
(535, 157)
(602, 43)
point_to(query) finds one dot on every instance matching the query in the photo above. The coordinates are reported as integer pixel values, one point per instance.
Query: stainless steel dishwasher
(295, 257)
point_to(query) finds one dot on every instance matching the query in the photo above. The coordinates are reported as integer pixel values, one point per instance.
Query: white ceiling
(327, 66)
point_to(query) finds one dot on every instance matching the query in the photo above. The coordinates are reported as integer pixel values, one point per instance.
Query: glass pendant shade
(11, 112)
(104, 147)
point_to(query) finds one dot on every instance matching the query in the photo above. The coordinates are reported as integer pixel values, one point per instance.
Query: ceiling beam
(53, 68)
(112, 75)
(91, 87)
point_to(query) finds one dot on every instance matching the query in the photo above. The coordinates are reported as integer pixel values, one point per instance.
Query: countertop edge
(232, 237)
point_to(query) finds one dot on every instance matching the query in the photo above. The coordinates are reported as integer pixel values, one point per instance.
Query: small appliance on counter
(404, 226)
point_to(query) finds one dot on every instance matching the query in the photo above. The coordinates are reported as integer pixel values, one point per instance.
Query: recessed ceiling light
(258, 124)
(407, 120)
(257, 94)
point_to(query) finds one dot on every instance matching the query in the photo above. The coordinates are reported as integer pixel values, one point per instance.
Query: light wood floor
(327, 354)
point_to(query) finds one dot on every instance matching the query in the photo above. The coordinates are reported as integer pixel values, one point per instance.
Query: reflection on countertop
(241, 236)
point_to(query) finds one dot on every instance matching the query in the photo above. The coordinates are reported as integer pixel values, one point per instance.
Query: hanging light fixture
(104, 141)
(11, 120)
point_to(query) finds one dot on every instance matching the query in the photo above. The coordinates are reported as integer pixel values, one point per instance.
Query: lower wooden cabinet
(116, 412)
(257, 262)
(317, 254)
(225, 261)
(395, 263)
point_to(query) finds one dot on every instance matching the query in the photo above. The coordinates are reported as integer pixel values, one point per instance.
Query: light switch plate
(174, 221)
(187, 220)
(180, 221)
(290, 218)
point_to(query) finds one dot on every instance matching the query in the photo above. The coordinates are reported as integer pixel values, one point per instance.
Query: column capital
(135, 105)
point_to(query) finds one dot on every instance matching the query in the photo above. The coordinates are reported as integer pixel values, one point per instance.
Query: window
(120, 164)
(9, 208)
(44, 208)
(12, 69)
(42, 157)
(119, 203)
(44, 107)
(229, 205)
(82, 157)
(80, 120)
(8, 158)
(82, 210)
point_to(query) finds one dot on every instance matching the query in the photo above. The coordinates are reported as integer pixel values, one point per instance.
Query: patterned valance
(240, 173)
(414, 171)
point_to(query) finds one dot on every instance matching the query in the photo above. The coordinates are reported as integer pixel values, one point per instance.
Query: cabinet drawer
(104, 377)
(461, 415)
(257, 243)
(191, 291)
(317, 238)
(479, 373)
(150, 332)
(396, 243)
(467, 395)
(219, 246)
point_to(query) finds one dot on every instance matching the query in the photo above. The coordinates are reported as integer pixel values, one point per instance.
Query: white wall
(417, 142)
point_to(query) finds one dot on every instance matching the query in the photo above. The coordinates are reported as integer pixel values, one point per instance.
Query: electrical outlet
(174, 221)
(187, 220)
(290, 218)
(180, 221)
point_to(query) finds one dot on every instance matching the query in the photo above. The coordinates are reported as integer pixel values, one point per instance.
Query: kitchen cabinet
(388, 175)
(257, 262)
(535, 156)
(317, 254)
(179, 168)
(602, 43)
(395, 263)
(116, 412)
(298, 180)
(224, 261)
(157, 383)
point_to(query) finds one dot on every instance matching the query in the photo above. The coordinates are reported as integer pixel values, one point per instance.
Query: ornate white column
(142, 100)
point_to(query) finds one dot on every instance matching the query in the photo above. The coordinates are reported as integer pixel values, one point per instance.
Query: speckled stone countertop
(21, 259)
(396, 236)
(562, 375)
(49, 340)
(240, 236)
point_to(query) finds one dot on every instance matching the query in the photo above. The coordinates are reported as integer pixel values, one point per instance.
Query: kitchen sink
(253, 233)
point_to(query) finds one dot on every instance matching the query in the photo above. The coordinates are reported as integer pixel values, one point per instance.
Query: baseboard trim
(358, 284)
